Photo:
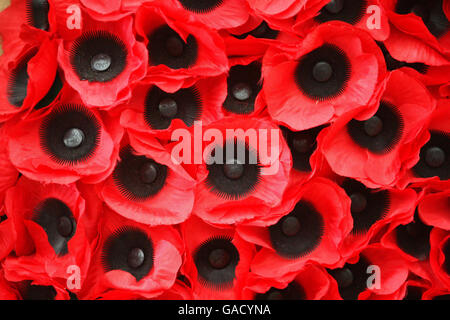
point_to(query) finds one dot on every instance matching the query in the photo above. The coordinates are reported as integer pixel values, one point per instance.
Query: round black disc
(216, 260)
(57, 220)
(307, 70)
(59, 122)
(298, 233)
(98, 56)
(129, 249)
(134, 176)
(188, 107)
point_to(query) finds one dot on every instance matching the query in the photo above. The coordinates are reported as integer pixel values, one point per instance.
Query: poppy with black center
(244, 84)
(263, 31)
(380, 133)
(37, 13)
(201, 6)
(434, 157)
(18, 80)
(233, 178)
(166, 47)
(216, 260)
(302, 145)
(367, 206)
(394, 64)
(350, 11)
(352, 278)
(430, 11)
(162, 107)
(70, 134)
(137, 177)
(58, 222)
(414, 238)
(323, 73)
(98, 56)
(129, 249)
(294, 291)
(298, 233)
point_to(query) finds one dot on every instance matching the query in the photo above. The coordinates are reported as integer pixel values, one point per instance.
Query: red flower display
(225, 150)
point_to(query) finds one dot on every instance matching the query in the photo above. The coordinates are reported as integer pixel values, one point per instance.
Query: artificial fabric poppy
(432, 165)
(146, 188)
(28, 88)
(420, 30)
(311, 283)
(247, 181)
(216, 14)
(65, 144)
(378, 146)
(357, 278)
(311, 232)
(132, 257)
(217, 260)
(440, 255)
(49, 232)
(102, 62)
(180, 51)
(157, 112)
(335, 69)
(372, 210)
(433, 209)
(359, 13)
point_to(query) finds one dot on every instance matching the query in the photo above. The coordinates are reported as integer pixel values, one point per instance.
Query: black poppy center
(350, 11)
(168, 108)
(344, 277)
(99, 56)
(367, 206)
(166, 47)
(414, 238)
(380, 133)
(129, 249)
(298, 233)
(18, 81)
(37, 13)
(137, 177)
(201, 6)
(216, 260)
(70, 134)
(58, 222)
(244, 84)
(323, 73)
(229, 176)
(162, 107)
(434, 157)
(294, 291)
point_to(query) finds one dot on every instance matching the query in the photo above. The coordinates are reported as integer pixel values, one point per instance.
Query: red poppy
(311, 283)
(364, 14)
(67, 143)
(49, 233)
(371, 274)
(440, 256)
(311, 232)
(102, 62)
(27, 87)
(433, 209)
(217, 260)
(374, 210)
(233, 190)
(420, 30)
(132, 257)
(377, 146)
(335, 69)
(216, 14)
(148, 188)
(431, 166)
(180, 50)
(153, 111)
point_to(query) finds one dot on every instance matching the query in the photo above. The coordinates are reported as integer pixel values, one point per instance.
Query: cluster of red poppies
(93, 205)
